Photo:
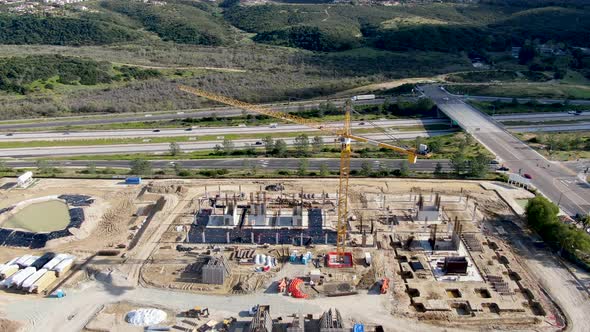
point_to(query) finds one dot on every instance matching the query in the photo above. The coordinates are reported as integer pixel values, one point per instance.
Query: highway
(425, 165)
(542, 117)
(580, 126)
(554, 180)
(8, 126)
(525, 100)
(185, 146)
(196, 114)
(202, 131)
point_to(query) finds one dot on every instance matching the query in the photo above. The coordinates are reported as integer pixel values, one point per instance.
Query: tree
(458, 162)
(302, 145)
(174, 149)
(228, 146)
(526, 54)
(366, 168)
(469, 140)
(434, 146)
(404, 169)
(141, 167)
(302, 168)
(438, 169)
(317, 144)
(250, 149)
(268, 144)
(541, 213)
(480, 165)
(178, 169)
(280, 148)
(324, 171)
(43, 166)
(3, 167)
(218, 149)
(91, 168)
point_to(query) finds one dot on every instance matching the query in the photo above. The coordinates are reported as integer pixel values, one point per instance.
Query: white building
(25, 179)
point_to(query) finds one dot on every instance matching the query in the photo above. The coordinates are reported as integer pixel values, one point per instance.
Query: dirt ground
(142, 225)
(9, 325)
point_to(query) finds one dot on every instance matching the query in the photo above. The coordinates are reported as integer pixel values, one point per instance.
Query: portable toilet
(133, 180)
(59, 293)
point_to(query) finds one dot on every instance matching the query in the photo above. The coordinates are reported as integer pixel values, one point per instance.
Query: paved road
(542, 117)
(218, 111)
(185, 146)
(555, 181)
(524, 100)
(580, 126)
(203, 131)
(426, 165)
(197, 114)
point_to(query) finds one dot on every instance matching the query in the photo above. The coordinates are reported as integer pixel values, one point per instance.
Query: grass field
(532, 90)
(493, 108)
(559, 146)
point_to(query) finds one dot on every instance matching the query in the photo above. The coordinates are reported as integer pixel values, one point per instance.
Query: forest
(27, 29)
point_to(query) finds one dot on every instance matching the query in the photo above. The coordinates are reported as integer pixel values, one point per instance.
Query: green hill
(28, 29)
(175, 22)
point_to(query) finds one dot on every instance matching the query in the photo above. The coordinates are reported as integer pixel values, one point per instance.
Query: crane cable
(383, 130)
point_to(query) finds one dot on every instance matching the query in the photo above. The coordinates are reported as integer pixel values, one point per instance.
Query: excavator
(345, 135)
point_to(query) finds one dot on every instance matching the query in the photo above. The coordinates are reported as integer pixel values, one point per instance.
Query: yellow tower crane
(345, 135)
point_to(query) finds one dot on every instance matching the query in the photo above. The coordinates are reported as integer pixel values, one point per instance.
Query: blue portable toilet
(358, 327)
(59, 293)
(133, 180)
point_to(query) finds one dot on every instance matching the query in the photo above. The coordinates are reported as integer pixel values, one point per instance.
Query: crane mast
(346, 138)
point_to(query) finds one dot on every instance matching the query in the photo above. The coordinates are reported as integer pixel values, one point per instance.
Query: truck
(363, 97)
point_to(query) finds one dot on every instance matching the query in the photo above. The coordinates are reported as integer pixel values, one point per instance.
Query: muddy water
(40, 217)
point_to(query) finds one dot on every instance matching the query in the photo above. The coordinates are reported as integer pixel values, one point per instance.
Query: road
(9, 126)
(554, 180)
(196, 114)
(203, 131)
(184, 146)
(542, 117)
(422, 165)
(557, 182)
(525, 100)
(580, 126)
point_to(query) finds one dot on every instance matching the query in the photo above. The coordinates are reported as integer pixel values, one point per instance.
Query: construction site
(331, 254)
(428, 251)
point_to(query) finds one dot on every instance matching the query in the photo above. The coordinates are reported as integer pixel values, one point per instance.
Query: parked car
(258, 143)
(494, 162)
(503, 168)
(528, 176)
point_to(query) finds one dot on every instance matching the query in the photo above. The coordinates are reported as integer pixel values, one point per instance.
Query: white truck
(363, 97)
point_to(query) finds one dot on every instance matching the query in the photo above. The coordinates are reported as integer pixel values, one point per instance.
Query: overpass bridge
(557, 182)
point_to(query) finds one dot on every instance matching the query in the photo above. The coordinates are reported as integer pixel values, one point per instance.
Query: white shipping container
(7, 282)
(53, 262)
(64, 266)
(22, 259)
(8, 270)
(19, 277)
(30, 261)
(32, 279)
(42, 283)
